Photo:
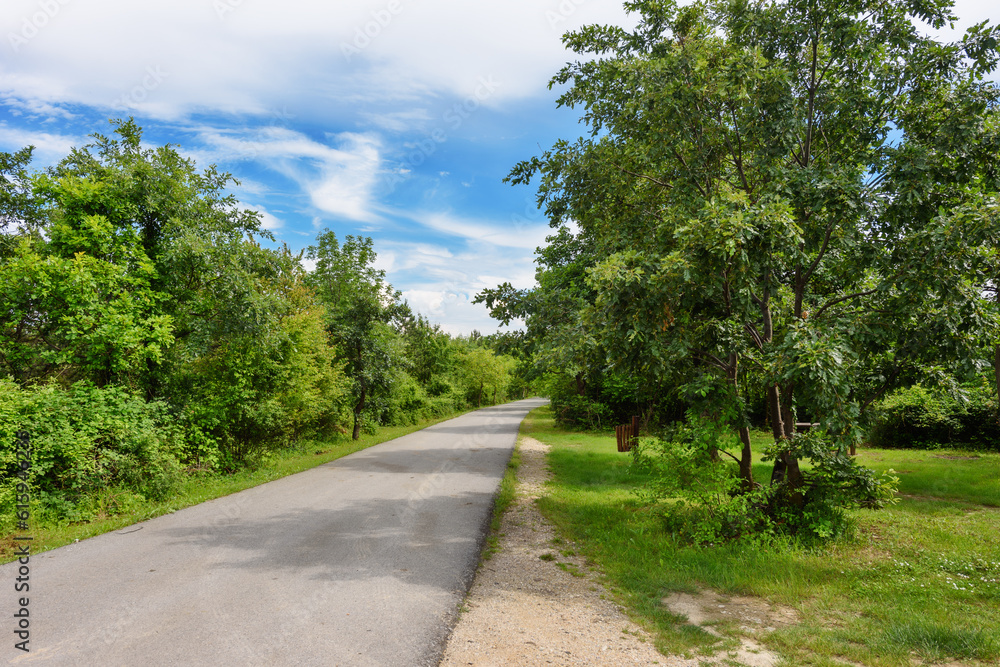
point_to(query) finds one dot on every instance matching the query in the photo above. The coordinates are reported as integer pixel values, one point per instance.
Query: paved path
(361, 561)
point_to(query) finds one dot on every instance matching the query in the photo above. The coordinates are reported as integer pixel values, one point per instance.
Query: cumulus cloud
(442, 282)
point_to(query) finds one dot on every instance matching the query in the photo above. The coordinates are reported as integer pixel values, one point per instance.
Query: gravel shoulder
(535, 602)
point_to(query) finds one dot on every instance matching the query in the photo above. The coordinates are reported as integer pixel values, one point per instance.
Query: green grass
(200, 488)
(919, 580)
(505, 496)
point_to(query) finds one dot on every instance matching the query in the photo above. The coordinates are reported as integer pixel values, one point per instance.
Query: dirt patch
(957, 458)
(707, 608)
(750, 614)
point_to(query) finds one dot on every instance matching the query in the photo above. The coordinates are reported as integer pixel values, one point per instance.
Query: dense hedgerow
(94, 449)
(922, 418)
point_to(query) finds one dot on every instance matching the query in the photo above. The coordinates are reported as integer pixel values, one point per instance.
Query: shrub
(88, 443)
(920, 418)
(703, 500)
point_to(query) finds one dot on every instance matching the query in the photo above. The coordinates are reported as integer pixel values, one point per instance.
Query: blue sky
(395, 119)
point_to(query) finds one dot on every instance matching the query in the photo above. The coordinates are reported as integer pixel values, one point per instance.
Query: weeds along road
(361, 561)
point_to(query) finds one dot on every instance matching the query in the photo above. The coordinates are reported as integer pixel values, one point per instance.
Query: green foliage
(360, 306)
(484, 373)
(704, 501)
(921, 418)
(260, 374)
(833, 484)
(700, 498)
(79, 317)
(95, 449)
(572, 408)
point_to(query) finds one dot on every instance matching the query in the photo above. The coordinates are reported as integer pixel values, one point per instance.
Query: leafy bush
(922, 418)
(699, 496)
(94, 449)
(834, 483)
(407, 402)
(703, 500)
(575, 410)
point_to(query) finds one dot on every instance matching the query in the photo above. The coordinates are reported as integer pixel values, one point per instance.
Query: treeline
(146, 333)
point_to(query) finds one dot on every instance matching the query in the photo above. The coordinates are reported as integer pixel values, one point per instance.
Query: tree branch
(648, 178)
(822, 251)
(844, 298)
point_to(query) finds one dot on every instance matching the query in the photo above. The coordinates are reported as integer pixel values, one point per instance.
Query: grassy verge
(200, 488)
(505, 496)
(920, 581)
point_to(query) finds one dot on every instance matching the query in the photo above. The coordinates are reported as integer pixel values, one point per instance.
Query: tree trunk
(581, 385)
(777, 430)
(746, 472)
(996, 360)
(358, 407)
(746, 459)
(996, 374)
(786, 466)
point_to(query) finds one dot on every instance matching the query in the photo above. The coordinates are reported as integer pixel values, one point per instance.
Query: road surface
(361, 561)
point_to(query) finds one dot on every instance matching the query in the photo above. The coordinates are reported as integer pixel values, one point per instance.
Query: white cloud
(514, 234)
(339, 181)
(441, 283)
(254, 56)
(49, 148)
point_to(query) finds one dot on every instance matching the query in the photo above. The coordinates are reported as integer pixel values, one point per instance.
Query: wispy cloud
(338, 180)
(509, 234)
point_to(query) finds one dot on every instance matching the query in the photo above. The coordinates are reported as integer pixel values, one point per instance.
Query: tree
(360, 307)
(483, 371)
(798, 188)
(100, 248)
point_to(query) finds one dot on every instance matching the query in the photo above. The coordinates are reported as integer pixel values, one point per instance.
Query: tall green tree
(361, 307)
(797, 187)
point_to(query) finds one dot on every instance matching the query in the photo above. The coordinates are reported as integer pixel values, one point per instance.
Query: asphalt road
(361, 561)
